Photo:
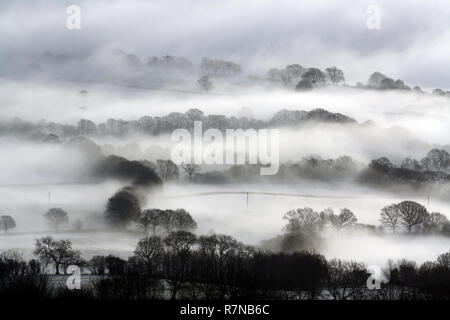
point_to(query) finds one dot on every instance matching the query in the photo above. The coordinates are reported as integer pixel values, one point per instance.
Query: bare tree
(176, 220)
(56, 217)
(7, 222)
(412, 214)
(205, 83)
(151, 218)
(390, 216)
(302, 218)
(182, 220)
(344, 219)
(150, 250)
(52, 251)
(345, 279)
(190, 169)
(177, 259)
(436, 222)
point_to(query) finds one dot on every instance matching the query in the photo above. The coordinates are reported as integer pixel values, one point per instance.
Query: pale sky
(413, 42)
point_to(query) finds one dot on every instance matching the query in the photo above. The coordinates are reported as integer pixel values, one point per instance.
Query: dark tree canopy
(315, 76)
(121, 168)
(304, 85)
(122, 208)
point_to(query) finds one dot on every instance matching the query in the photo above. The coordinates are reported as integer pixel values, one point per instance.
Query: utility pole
(247, 201)
(49, 199)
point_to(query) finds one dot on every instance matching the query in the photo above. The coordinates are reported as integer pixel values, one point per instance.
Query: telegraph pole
(247, 201)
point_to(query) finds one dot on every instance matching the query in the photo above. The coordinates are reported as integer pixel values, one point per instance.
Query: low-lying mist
(261, 221)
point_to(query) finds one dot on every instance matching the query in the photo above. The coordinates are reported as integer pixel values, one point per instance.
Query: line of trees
(217, 267)
(52, 132)
(124, 207)
(413, 216)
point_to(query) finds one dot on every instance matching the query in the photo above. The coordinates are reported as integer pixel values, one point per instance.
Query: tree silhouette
(7, 222)
(336, 75)
(122, 208)
(412, 214)
(205, 83)
(190, 169)
(57, 252)
(151, 218)
(390, 216)
(56, 217)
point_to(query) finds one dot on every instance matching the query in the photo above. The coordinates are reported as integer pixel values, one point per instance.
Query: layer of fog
(362, 143)
(413, 123)
(262, 220)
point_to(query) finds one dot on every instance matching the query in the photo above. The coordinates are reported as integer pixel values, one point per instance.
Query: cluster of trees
(377, 80)
(309, 78)
(434, 167)
(411, 215)
(306, 78)
(168, 61)
(414, 217)
(217, 67)
(53, 132)
(217, 267)
(137, 172)
(168, 220)
(380, 81)
(124, 207)
(22, 279)
(311, 167)
(304, 225)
